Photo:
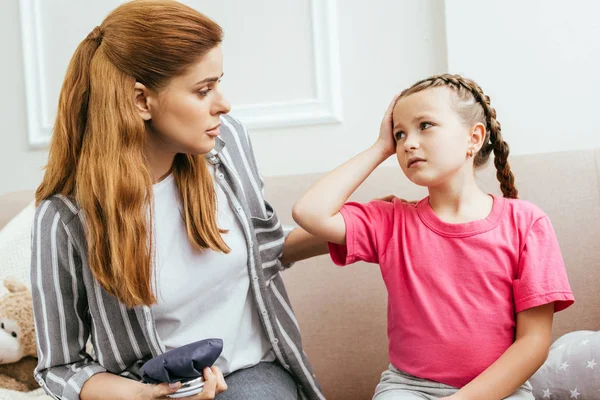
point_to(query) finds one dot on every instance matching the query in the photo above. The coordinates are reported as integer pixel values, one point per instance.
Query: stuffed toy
(18, 351)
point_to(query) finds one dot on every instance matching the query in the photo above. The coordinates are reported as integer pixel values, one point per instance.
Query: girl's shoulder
(523, 212)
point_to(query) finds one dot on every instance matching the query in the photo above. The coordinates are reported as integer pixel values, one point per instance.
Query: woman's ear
(141, 98)
(477, 135)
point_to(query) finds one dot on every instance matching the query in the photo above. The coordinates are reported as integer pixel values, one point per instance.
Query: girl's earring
(470, 153)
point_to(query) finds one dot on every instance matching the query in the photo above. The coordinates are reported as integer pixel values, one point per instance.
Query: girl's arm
(519, 361)
(318, 210)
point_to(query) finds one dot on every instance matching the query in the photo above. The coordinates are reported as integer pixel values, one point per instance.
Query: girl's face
(432, 140)
(185, 115)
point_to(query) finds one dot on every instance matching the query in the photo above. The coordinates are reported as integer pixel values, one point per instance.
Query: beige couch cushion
(15, 247)
(12, 203)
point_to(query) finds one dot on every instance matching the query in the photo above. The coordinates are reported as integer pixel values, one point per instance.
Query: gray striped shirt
(70, 306)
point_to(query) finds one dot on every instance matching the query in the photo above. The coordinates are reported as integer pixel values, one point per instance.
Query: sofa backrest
(12, 203)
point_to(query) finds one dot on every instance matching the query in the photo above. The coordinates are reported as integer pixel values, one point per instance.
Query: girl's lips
(415, 162)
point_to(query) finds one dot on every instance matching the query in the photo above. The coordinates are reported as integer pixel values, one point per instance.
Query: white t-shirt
(205, 294)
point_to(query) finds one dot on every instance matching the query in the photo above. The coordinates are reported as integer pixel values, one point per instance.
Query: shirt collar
(212, 156)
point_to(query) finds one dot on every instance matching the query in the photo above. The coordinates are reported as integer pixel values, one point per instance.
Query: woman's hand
(391, 197)
(214, 383)
(386, 141)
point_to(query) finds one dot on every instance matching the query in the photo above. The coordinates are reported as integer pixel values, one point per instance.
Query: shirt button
(221, 175)
(286, 366)
(264, 312)
(255, 278)
(275, 341)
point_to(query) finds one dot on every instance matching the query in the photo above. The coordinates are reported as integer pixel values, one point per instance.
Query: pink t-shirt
(454, 289)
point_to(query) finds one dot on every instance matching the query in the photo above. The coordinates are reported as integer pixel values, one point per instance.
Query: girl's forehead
(428, 101)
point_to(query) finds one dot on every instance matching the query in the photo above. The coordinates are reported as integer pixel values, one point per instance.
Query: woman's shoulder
(232, 128)
(58, 206)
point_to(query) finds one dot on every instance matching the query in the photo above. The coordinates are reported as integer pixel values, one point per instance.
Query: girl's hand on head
(386, 140)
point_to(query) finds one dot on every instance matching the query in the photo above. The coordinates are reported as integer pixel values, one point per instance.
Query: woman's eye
(204, 93)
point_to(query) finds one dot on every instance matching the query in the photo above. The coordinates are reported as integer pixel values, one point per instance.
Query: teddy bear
(18, 351)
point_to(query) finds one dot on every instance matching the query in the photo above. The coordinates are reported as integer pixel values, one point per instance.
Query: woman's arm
(318, 210)
(59, 304)
(519, 361)
(109, 386)
(300, 245)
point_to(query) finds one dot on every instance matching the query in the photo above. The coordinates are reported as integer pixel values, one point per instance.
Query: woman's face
(185, 115)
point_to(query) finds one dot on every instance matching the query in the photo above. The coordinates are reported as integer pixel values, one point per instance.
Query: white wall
(20, 168)
(537, 61)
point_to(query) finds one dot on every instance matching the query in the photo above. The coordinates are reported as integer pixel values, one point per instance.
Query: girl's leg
(522, 393)
(398, 385)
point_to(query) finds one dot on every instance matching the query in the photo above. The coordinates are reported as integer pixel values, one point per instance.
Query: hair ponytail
(70, 123)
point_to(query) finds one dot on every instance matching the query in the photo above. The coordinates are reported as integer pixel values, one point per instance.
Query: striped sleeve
(59, 305)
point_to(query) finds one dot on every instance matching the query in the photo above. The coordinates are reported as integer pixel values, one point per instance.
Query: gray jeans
(398, 385)
(266, 380)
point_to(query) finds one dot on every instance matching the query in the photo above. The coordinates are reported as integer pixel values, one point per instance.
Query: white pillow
(572, 370)
(15, 247)
(37, 394)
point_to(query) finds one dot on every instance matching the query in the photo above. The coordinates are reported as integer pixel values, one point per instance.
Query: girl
(473, 279)
(151, 230)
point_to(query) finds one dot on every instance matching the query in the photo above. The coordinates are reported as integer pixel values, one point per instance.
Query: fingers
(391, 197)
(390, 108)
(221, 384)
(161, 390)
(214, 383)
(386, 198)
(209, 390)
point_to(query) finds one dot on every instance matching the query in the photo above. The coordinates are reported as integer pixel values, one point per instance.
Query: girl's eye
(399, 135)
(425, 125)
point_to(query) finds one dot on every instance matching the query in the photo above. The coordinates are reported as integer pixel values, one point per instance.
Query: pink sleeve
(542, 275)
(368, 230)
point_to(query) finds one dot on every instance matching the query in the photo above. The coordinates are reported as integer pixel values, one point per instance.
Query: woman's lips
(214, 132)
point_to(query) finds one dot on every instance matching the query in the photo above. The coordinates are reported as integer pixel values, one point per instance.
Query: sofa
(342, 311)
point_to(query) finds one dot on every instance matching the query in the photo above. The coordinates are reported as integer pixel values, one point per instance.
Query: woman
(151, 230)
